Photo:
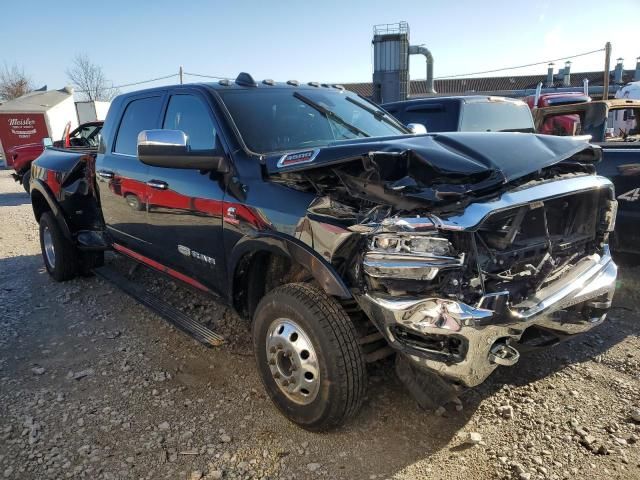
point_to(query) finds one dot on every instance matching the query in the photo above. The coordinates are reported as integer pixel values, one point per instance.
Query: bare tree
(90, 80)
(13, 82)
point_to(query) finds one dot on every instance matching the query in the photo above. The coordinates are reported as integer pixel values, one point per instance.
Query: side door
(121, 177)
(184, 205)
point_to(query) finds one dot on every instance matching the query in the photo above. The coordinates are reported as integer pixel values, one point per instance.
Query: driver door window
(191, 115)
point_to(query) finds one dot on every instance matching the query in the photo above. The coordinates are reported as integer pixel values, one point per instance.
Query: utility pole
(607, 65)
(180, 74)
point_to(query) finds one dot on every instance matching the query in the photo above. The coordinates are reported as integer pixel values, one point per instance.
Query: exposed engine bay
(517, 249)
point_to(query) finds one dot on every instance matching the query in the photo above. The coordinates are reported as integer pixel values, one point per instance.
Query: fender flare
(39, 186)
(299, 253)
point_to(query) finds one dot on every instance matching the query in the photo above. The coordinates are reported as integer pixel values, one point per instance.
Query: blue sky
(325, 41)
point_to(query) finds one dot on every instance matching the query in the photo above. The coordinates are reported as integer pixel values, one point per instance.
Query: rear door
(122, 178)
(185, 206)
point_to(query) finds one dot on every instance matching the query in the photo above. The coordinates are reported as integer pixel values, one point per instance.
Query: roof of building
(38, 101)
(456, 86)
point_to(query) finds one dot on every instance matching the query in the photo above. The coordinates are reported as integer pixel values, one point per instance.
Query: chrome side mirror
(170, 149)
(417, 128)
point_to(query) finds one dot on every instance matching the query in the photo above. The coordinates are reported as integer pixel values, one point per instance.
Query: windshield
(86, 136)
(496, 117)
(292, 119)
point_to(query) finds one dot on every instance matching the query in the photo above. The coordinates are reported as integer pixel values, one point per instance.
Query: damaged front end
(455, 294)
(457, 266)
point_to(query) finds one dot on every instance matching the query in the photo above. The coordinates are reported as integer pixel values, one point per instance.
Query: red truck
(19, 157)
(565, 125)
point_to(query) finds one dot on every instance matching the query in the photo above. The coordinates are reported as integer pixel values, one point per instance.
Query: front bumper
(466, 343)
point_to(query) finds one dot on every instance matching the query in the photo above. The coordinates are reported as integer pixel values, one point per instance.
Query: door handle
(158, 184)
(105, 174)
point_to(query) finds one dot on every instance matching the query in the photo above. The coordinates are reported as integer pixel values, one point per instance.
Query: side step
(92, 240)
(171, 314)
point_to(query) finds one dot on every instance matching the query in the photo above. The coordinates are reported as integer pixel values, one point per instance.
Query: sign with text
(21, 128)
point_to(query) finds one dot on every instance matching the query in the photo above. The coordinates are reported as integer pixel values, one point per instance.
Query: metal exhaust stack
(420, 50)
(391, 51)
(390, 62)
(566, 79)
(617, 73)
(550, 75)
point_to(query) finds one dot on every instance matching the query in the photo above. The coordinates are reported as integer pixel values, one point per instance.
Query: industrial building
(392, 51)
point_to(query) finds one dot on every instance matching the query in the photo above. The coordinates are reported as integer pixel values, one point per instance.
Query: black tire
(333, 337)
(65, 256)
(26, 176)
(134, 202)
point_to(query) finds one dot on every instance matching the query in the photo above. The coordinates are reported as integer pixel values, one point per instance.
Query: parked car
(613, 125)
(472, 113)
(320, 218)
(86, 136)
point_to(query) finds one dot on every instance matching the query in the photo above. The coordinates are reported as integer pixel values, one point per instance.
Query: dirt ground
(95, 386)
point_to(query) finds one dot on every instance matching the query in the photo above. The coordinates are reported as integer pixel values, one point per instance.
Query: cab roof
(245, 81)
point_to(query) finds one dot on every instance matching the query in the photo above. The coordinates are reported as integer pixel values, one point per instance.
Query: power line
(141, 82)
(136, 83)
(145, 81)
(206, 76)
(520, 66)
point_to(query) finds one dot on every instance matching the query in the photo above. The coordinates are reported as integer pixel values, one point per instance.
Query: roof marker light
(313, 84)
(225, 82)
(294, 83)
(268, 81)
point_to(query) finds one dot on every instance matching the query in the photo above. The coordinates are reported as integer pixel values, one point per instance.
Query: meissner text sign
(21, 128)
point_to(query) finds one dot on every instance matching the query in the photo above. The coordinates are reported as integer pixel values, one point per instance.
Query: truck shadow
(14, 199)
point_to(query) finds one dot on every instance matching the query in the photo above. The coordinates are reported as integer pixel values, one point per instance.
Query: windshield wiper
(330, 114)
(379, 114)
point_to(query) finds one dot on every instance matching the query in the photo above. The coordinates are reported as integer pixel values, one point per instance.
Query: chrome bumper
(573, 304)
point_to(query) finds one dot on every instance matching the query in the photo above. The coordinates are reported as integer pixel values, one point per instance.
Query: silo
(390, 62)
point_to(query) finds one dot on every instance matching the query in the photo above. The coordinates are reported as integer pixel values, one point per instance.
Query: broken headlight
(402, 256)
(440, 247)
(423, 245)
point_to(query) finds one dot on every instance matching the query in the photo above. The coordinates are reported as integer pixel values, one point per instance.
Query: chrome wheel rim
(293, 362)
(132, 201)
(49, 250)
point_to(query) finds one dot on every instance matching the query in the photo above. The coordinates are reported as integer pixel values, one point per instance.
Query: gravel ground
(94, 386)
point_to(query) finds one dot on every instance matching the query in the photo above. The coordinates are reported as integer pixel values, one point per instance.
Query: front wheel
(308, 356)
(134, 202)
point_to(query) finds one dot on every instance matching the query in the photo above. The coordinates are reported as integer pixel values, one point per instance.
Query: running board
(171, 314)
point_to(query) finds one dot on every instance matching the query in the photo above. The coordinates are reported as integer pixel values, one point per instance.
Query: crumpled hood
(503, 156)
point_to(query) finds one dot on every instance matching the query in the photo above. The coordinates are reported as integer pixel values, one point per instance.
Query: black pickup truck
(464, 113)
(614, 126)
(326, 223)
